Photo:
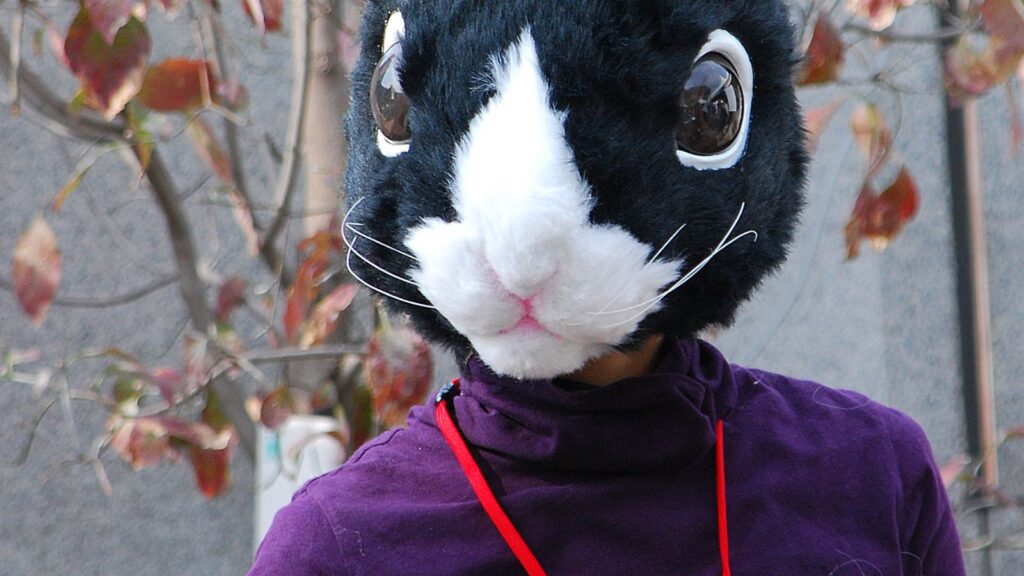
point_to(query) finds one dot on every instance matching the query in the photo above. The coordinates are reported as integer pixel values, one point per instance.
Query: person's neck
(618, 365)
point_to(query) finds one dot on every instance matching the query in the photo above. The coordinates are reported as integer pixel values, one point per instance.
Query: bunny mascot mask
(538, 184)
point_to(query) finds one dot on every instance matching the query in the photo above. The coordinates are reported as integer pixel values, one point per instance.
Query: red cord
(723, 528)
(483, 491)
(501, 521)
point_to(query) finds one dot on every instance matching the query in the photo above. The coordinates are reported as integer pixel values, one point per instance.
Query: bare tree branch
(194, 292)
(108, 301)
(289, 354)
(17, 27)
(323, 143)
(33, 431)
(890, 35)
(288, 178)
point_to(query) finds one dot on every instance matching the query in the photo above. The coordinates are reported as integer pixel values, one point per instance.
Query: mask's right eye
(388, 101)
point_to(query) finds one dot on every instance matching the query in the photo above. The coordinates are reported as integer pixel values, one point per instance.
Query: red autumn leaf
(142, 442)
(824, 57)
(170, 382)
(816, 120)
(317, 250)
(324, 319)
(210, 150)
(230, 297)
(266, 14)
(973, 71)
(320, 246)
(878, 219)
(110, 74)
(36, 269)
(178, 85)
(398, 372)
(1005, 20)
(108, 16)
(299, 296)
(951, 470)
(212, 467)
(880, 13)
(171, 6)
(277, 407)
(872, 136)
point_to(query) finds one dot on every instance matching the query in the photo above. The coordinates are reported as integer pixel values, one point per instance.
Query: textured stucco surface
(884, 325)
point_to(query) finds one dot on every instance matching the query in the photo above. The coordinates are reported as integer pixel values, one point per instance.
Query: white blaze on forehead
(523, 233)
(516, 177)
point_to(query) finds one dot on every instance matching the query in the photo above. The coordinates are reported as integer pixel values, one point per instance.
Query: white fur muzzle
(536, 288)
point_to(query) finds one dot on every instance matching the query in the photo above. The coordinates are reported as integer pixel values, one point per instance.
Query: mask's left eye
(388, 101)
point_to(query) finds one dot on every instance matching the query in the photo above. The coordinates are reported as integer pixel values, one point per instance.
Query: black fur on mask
(617, 68)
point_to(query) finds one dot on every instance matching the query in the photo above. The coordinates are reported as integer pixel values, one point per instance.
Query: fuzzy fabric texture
(605, 138)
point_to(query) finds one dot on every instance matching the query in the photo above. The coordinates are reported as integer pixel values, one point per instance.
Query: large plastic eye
(387, 100)
(711, 107)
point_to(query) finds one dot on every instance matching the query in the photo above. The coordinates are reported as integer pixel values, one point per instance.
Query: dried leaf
(951, 470)
(266, 14)
(230, 296)
(178, 85)
(110, 74)
(36, 269)
(879, 219)
(245, 220)
(172, 6)
(324, 319)
(108, 16)
(214, 415)
(210, 150)
(873, 137)
(297, 304)
(824, 56)
(398, 372)
(880, 13)
(1005, 20)
(816, 120)
(68, 188)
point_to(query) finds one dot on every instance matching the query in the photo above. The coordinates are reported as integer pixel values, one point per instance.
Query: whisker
(348, 264)
(352, 249)
(364, 235)
(723, 244)
(649, 262)
(685, 279)
(635, 278)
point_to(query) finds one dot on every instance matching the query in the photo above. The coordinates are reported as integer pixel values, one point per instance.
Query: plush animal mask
(541, 181)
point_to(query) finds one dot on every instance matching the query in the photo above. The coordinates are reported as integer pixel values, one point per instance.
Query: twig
(889, 35)
(27, 448)
(194, 293)
(119, 300)
(17, 27)
(289, 354)
(288, 178)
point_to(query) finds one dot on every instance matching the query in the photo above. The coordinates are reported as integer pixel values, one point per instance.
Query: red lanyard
(501, 521)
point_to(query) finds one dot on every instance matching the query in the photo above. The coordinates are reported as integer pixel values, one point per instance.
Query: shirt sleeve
(929, 537)
(300, 542)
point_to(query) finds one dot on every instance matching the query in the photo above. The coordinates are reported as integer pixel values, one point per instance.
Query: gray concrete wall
(885, 325)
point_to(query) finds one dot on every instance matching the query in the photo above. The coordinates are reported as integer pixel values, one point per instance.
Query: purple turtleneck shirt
(621, 480)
